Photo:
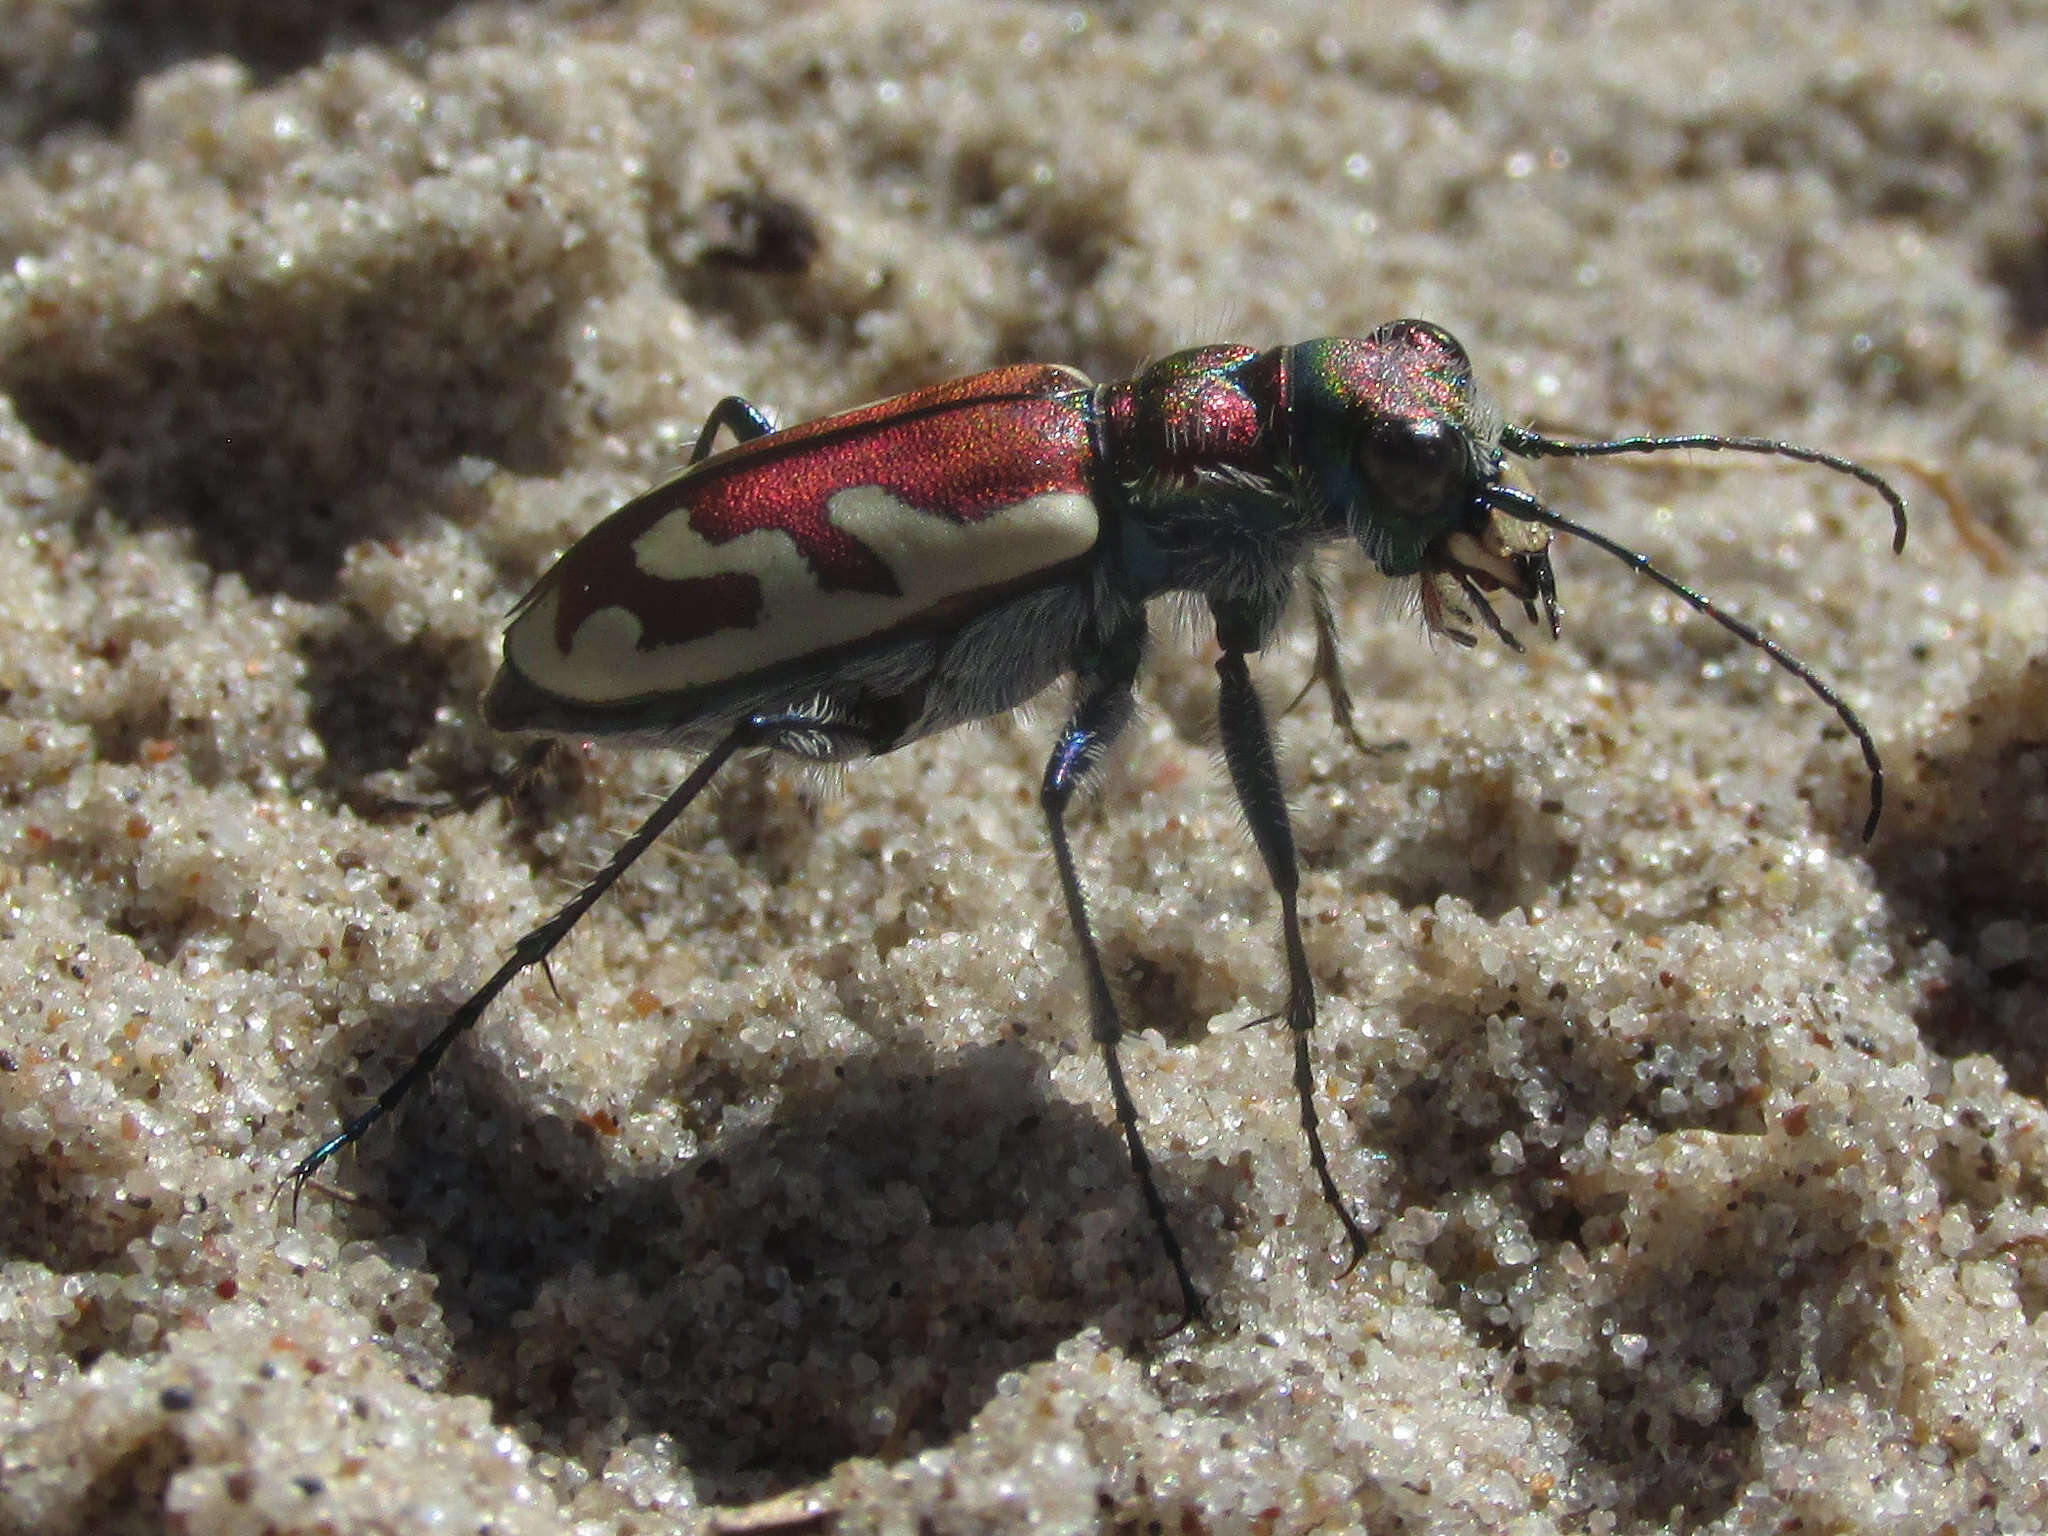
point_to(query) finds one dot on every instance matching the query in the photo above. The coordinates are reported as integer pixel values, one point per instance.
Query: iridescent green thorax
(1347, 394)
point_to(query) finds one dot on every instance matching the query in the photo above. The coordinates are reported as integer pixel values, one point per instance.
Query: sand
(1701, 1143)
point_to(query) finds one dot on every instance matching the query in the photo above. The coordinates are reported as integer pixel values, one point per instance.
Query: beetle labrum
(840, 588)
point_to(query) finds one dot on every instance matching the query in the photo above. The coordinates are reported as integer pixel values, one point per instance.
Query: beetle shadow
(850, 1278)
(1963, 858)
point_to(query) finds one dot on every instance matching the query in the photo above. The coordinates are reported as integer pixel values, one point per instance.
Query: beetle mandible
(838, 589)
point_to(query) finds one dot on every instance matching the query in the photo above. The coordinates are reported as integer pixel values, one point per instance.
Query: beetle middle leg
(739, 416)
(1102, 708)
(1255, 773)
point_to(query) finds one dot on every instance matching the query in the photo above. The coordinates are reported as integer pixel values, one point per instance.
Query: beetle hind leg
(772, 730)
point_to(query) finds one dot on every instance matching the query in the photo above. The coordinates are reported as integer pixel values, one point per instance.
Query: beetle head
(1404, 447)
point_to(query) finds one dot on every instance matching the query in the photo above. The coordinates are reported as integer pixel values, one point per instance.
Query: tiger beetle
(838, 589)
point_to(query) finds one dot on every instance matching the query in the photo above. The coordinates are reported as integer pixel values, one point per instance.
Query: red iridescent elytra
(822, 535)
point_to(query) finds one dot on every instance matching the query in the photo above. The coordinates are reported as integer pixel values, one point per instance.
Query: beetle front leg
(1255, 772)
(1102, 710)
(1329, 670)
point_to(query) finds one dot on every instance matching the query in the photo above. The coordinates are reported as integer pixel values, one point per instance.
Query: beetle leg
(1255, 772)
(738, 415)
(1329, 670)
(1102, 709)
(764, 730)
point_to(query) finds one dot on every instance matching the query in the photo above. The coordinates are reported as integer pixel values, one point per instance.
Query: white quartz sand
(1702, 1143)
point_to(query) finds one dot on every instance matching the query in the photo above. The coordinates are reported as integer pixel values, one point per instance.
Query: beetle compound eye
(1415, 466)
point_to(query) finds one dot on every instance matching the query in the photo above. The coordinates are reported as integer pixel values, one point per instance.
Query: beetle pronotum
(841, 588)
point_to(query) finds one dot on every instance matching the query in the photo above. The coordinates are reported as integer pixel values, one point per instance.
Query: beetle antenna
(1534, 445)
(1521, 504)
